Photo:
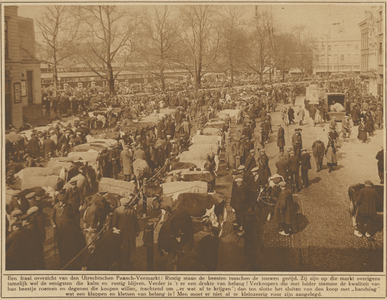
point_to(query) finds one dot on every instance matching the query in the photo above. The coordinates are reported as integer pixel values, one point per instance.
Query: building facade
(334, 56)
(372, 50)
(22, 69)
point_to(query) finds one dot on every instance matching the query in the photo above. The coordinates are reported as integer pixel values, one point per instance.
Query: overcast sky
(317, 17)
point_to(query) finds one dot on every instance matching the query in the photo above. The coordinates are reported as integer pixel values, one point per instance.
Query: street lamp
(327, 52)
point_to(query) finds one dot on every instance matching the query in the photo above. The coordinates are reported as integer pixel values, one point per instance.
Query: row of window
(323, 46)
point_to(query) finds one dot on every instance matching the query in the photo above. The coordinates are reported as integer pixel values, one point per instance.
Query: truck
(336, 105)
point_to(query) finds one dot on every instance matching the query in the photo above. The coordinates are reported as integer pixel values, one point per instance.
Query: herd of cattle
(180, 196)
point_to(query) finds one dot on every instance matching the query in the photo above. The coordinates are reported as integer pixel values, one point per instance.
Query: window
(329, 47)
(356, 47)
(342, 57)
(6, 39)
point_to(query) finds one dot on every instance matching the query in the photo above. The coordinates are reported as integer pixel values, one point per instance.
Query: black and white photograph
(193, 136)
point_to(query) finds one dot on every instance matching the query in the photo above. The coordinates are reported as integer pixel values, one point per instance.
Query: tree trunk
(232, 74)
(55, 74)
(110, 78)
(162, 78)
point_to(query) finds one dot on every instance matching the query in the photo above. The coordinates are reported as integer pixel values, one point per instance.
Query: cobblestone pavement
(325, 240)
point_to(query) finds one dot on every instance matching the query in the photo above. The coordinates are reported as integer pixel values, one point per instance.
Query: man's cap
(252, 151)
(304, 150)
(30, 195)
(255, 169)
(25, 156)
(16, 212)
(235, 172)
(32, 210)
(125, 201)
(368, 182)
(238, 179)
(262, 150)
(241, 167)
(282, 183)
(346, 117)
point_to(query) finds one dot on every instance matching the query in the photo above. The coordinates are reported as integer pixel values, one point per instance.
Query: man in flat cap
(75, 199)
(239, 201)
(294, 167)
(285, 210)
(250, 163)
(281, 138)
(305, 166)
(366, 213)
(124, 222)
(297, 142)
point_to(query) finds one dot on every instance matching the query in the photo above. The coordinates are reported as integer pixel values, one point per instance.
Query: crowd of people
(158, 144)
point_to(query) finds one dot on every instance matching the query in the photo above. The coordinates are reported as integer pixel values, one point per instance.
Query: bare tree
(284, 52)
(157, 43)
(305, 44)
(58, 30)
(261, 44)
(233, 39)
(200, 39)
(108, 30)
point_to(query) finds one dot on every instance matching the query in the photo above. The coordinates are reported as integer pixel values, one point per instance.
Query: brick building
(22, 69)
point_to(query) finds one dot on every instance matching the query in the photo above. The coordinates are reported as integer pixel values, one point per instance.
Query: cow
(208, 210)
(353, 191)
(177, 227)
(94, 213)
(180, 165)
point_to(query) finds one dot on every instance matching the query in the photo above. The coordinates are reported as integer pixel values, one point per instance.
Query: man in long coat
(240, 201)
(285, 212)
(305, 166)
(281, 138)
(124, 222)
(249, 163)
(318, 149)
(263, 164)
(366, 211)
(127, 163)
(208, 249)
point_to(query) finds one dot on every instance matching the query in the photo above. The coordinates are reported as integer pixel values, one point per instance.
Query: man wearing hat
(126, 157)
(48, 147)
(380, 158)
(33, 146)
(208, 249)
(282, 168)
(346, 127)
(249, 164)
(15, 250)
(263, 164)
(318, 149)
(240, 201)
(294, 167)
(75, 198)
(297, 142)
(281, 138)
(18, 202)
(33, 238)
(366, 211)
(284, 212)
(124, 222)
(305, 166)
